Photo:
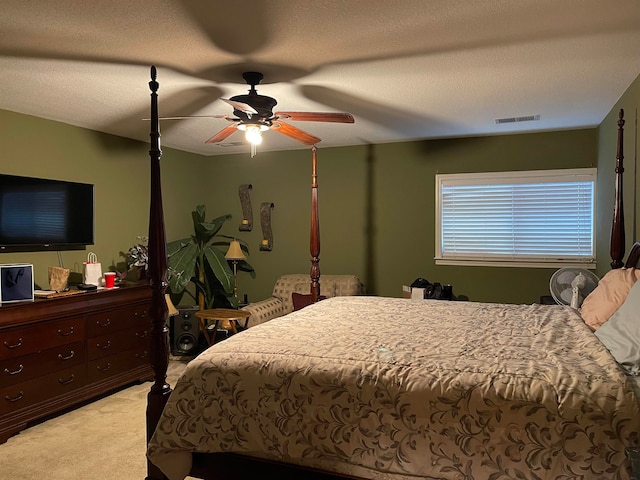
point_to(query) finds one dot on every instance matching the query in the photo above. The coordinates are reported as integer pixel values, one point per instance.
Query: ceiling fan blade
(295, 133)
(317, 116)
(183, 102)
(222, 134)
(241, 107)
(393, 118)
(184, 117)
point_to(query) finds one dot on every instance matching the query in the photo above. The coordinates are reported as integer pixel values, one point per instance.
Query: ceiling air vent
(231, 144)
(527, 118)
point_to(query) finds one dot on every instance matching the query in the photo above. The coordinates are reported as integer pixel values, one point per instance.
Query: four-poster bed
(499, 400)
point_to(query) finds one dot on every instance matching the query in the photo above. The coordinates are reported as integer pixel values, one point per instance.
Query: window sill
(513, 263)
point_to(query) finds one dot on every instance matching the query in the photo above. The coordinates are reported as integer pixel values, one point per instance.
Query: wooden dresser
(60, 352)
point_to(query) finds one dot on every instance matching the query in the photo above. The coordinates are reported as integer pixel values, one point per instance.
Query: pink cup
(109, 279)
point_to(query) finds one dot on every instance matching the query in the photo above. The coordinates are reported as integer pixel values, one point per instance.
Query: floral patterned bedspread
(387, 388)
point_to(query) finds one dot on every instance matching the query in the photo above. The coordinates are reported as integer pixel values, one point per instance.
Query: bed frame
(227, 466)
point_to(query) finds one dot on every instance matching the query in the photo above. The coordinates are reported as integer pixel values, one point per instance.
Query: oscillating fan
(570, 286)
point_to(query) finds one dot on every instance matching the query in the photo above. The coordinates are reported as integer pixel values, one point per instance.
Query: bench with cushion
(281, 301)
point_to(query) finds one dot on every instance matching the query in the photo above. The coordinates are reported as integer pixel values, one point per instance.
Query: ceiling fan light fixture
(253, 134)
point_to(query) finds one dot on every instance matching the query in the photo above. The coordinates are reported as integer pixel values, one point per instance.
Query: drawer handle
(62, 333)
(14, 372)
(104, 346)
(141, 334)
(18, 397)
(140, 315)
(11, 346)
(105, 324)
(104, 368)
(141, 355)
(66, 381)
(68, 357)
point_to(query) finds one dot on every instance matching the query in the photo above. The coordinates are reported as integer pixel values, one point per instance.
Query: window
(539, 218)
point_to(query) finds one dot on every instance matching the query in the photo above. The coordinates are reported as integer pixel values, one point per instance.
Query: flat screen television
(38, 212)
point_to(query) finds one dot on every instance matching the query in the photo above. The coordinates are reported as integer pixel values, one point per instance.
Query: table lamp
(235, 254)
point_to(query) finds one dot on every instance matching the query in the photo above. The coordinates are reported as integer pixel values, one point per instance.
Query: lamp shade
(234, 252)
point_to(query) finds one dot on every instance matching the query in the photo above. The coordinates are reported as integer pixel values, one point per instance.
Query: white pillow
(621, 334)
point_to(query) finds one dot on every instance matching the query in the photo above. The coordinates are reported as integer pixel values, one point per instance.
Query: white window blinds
(533, 217)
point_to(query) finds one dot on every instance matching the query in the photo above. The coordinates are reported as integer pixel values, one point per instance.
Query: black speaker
(185, 337)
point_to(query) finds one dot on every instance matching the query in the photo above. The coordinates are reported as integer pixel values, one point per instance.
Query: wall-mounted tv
(38, 212)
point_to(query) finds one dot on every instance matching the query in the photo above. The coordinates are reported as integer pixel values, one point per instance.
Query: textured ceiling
(406, 69)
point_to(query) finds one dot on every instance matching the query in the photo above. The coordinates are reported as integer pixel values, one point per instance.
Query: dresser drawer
(28, 393)
(122, 362)
(117, 342)
(117, 319)
(21, 369)
(22, 341)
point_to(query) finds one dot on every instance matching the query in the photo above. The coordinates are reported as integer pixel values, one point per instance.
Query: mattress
(397, 389)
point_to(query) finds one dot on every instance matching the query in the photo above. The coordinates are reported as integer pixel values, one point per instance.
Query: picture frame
(16, 283)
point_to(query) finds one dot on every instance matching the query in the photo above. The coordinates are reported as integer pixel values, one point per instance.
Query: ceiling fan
(253, 114)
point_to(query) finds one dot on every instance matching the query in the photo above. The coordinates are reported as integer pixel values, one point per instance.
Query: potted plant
(136, 262)
(200, 260)
(138, 258)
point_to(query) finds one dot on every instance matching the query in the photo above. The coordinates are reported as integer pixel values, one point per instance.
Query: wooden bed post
(160, 390)
(617, 245)
(315, 229)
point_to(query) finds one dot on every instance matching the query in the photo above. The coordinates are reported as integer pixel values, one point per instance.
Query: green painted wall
(376, 202)
(377, 209)
(394, 184)
(118, 168)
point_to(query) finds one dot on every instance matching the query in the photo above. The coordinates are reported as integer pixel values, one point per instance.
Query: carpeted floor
(102, 440)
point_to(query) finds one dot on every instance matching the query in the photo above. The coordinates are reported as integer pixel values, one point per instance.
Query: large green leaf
(217, 262)
(244, 266)
(205, 231)
(199, 213)
(173, 247)
(182, 264)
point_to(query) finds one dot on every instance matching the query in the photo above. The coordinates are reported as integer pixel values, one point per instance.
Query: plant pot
(138, 274)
